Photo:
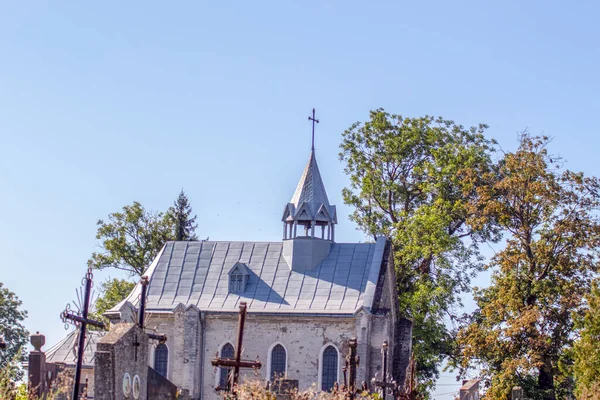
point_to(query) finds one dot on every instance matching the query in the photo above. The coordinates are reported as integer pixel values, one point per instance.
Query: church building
(307, 296)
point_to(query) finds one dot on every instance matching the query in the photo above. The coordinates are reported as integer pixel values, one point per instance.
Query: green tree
(180, 215)
(586, 366)
(522, 330)
(412, 180)
(112, 292)
(11, 328)
(131, 239)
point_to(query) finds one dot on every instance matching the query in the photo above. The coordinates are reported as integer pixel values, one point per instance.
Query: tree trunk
(546, 380)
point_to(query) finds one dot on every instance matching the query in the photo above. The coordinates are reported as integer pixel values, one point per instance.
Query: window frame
(154, 359)
(320, 372)
(270, 360)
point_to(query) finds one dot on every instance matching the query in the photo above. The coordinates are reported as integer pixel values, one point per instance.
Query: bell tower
(308, 219)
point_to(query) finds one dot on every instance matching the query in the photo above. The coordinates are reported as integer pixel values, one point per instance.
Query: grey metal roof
(309, 201)
(310, 189)
(64, 351)
(196, 274)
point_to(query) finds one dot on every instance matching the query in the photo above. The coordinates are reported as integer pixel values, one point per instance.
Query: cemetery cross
(352, 363)
(237, 361)
(81, 319)
(144, 282)
(383, 384)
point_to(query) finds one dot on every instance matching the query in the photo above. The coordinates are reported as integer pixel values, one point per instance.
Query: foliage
(10, 373)
(112, 292)
(522, 329)
(131, 239)
(586, 366)
(11, 328)
(412, 180)
(180, 216)
(255, 389)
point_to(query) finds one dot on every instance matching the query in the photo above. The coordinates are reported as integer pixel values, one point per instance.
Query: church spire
(309, 206)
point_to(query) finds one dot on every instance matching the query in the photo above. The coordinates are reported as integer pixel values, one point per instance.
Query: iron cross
(313, 119)
(144, 282)
(237, 361)
(81, 319)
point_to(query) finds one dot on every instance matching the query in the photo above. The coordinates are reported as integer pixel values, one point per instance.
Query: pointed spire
(310, 189)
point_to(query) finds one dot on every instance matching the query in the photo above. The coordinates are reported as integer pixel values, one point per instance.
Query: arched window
(278, 362)
(161, 359)
(329, 372)
(226, 352)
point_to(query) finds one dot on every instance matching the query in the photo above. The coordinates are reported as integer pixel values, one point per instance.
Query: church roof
(310, 189)
(196, 274)
(64, 351)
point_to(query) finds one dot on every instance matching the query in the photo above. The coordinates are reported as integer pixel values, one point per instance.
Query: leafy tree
(587, 348)
(112, 292)
(131, 239)
(11, 328)
(412, 180)
(180, 216)
(522, 330)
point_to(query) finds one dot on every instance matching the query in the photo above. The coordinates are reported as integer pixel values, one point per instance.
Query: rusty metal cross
(236, 362)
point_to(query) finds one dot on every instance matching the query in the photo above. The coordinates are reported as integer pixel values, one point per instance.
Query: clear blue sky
(104, 103)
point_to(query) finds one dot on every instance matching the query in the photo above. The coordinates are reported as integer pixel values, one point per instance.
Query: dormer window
(238, 277)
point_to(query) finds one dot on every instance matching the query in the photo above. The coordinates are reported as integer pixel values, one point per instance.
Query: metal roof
(310, 189)
(64, 351)
(196, 274)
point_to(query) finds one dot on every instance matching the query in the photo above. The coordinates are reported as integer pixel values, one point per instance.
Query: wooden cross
(383, 384)
(236, 363)
(81, 319)
(313, 119)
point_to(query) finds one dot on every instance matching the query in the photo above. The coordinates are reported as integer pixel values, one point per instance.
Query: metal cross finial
(313, 119)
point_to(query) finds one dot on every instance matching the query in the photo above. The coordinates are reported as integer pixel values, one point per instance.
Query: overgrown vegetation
(413, 180)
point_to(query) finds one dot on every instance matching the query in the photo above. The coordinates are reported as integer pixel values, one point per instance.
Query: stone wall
(159, 387)
(120, 353)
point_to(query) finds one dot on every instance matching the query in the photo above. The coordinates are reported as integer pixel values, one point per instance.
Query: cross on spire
(313, 119)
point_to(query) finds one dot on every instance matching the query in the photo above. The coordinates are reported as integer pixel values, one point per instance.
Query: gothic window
(226, 352)
(329, 371)
(278, 361)
(161, 358)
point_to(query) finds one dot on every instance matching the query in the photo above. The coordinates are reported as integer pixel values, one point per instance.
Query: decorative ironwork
(80, 319)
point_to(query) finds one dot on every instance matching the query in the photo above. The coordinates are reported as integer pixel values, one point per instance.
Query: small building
(470, 390)
(307, 296)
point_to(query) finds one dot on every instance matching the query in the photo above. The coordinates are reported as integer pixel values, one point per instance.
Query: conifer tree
(180, 215)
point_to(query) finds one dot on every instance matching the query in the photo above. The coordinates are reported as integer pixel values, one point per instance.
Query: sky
(106, 103)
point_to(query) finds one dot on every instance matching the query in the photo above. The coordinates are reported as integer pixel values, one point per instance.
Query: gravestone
(121, 364)
(517, 393)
